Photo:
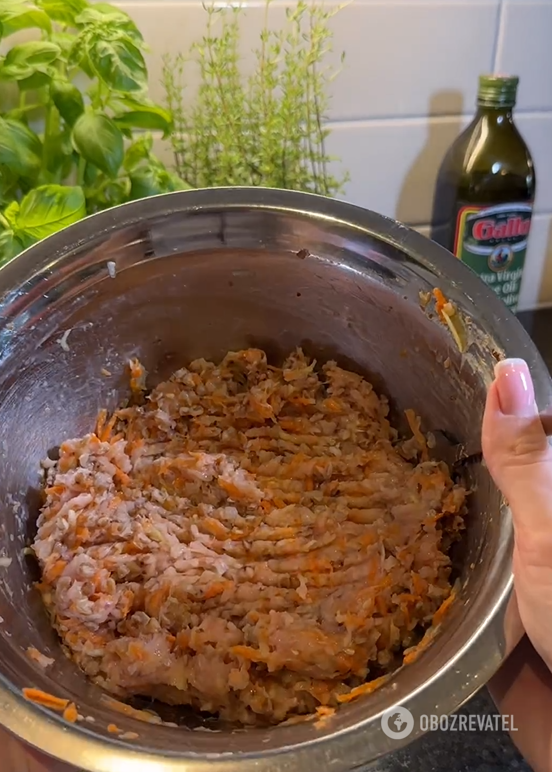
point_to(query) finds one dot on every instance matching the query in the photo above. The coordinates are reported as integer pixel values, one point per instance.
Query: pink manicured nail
(515, 387)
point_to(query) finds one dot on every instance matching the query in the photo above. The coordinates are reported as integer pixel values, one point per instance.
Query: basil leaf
(104, 12)
(113, 194)
(8, 185)
(145, 117)
(11, 213)
(145, 182)
(64, 40)
(30, 63)
(90, 175)
(78, 54)
(176, 183)
(41, 77)
(20, 148)
(98, 139)
(117, 61)
(137, 152)
(63, 11)
(59, 159)
(33, 53)
(68, 100)
(9, 247)
(16, 15)
(48, 209)
(151, 179)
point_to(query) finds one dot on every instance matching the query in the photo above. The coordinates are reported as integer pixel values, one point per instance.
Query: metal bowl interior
(198, 274)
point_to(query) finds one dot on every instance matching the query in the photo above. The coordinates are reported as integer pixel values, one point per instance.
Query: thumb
(516, 448)
(519, 458)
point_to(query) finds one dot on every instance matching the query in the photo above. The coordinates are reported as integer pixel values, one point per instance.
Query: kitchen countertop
(476, 751)
(481, 751)
(459, 751)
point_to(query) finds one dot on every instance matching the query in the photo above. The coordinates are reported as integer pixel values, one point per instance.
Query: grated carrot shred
(248, 652)
(56, 570)
(113, 729)
(324, 711)
(414, 422)
(100, 422)
(217, 588)
(231, 489)
(43, 698)
(106, 431)
(128, 710)
(71, 713)
(412, 654)
(443, 609)
(440, 302)
(363, 689)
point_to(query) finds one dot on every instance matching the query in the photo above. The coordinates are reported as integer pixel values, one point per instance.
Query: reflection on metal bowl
(197, 274)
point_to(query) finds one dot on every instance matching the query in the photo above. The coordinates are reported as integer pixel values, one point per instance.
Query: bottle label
(492, 240)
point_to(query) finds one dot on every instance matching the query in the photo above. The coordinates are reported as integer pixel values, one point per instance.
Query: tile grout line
(352, 122)
(291, 3)
(334, 123)
(497, 45)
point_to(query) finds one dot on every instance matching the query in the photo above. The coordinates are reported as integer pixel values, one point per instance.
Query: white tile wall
(407, 88)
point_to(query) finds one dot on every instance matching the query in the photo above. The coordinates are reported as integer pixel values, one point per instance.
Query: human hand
(519, 458)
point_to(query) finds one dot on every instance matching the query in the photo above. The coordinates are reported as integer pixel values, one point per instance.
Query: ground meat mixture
(253, 541)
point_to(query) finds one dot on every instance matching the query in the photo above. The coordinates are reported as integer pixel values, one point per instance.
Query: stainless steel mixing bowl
(196, 274)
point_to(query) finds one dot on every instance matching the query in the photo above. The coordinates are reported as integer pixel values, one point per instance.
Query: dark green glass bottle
(485, 192)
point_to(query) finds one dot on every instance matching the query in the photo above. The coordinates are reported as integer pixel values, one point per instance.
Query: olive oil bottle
(485, 192)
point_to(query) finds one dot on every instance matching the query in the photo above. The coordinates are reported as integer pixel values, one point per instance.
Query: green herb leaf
(8, 185)
(59, 159)
(37, 80)
(20, 148)
(48, 209)
(32, 53)
(145, 182)
(11, 213)
(63, 11)
(117, 61)
(151, 179)
(9, 247)
(64, 40)
(104, 12)
(144, 116)
(77, 55)
(137, 152)
(16, 15)
(91, 174)
(30, 63)
(68, 100)
(98, 139)
(113, 194)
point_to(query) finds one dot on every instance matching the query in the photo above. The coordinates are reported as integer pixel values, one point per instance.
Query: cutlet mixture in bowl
(246, 553)
(254, 541)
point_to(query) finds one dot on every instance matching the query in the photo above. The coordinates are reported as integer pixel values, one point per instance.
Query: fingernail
(515, 387)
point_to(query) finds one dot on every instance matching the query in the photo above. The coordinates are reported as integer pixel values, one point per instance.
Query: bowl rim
(42, 730)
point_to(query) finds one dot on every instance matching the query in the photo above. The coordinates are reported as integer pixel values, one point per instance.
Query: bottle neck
(496, 115)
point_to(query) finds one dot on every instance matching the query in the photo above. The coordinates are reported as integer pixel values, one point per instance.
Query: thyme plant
(266, 128)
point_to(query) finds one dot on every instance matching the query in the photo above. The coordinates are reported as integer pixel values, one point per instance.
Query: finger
(519, 459)
(516, 448)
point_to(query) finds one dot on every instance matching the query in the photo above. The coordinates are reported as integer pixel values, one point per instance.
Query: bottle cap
(497, 90)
